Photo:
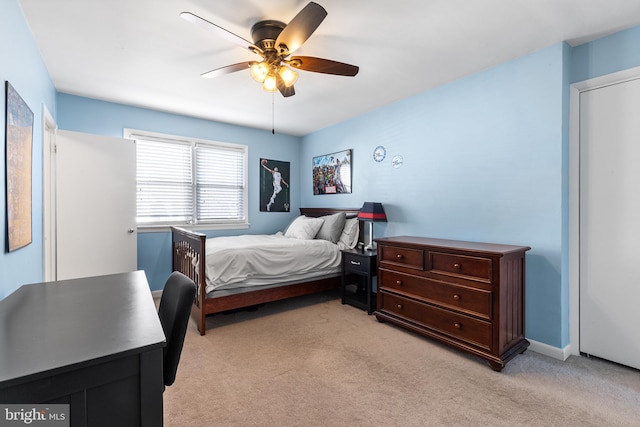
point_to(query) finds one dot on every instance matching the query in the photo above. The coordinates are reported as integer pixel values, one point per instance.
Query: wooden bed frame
(188, 257)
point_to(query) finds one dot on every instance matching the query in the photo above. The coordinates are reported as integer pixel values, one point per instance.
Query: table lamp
(371, 212)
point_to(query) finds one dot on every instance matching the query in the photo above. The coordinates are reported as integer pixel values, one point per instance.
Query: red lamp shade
(372, 212)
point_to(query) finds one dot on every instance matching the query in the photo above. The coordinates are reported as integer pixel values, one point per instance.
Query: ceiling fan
(274, 42)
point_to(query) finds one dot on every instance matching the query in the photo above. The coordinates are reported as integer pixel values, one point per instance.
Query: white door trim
(574, 194)
(48, 197)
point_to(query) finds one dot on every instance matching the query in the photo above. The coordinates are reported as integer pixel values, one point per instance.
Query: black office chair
(175, 307)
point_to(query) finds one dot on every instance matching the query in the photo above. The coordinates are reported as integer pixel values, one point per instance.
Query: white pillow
(304, 228)
(350, 234)
(332, 227)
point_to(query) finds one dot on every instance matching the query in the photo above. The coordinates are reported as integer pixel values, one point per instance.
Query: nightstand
(358, 268)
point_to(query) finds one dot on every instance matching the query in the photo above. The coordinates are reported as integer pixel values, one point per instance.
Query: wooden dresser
(465, 294)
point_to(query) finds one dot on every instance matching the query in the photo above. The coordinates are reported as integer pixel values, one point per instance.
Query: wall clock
(379, 153)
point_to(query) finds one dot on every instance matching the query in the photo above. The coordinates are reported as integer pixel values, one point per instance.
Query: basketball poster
(274, 186)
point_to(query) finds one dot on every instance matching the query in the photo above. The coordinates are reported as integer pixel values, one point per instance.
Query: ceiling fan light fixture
(288, 75)
(269, 84)
(274, 41)
(259, 71)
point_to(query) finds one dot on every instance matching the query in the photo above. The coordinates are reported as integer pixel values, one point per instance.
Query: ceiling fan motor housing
(265, 33)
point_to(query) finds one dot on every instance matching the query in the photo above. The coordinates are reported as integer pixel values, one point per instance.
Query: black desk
(94, 343)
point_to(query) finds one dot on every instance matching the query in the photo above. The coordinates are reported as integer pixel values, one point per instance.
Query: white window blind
(182, 181)
(164, 183)
(219, 183)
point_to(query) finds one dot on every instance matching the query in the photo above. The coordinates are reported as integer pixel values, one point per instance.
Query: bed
(207, 262)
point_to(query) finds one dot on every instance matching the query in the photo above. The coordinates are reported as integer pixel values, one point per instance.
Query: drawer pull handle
(399, 282)
(457, 325)
(457, 297)
(399, 256)
(457, 266)
(400, 306)
(355, 262)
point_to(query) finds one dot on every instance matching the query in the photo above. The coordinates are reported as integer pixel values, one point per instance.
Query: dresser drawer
(472, 301)
(469, 295)
(460, 265)
(454, 325)
(411, 258)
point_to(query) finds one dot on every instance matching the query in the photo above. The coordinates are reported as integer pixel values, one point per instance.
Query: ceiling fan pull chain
(273, 113)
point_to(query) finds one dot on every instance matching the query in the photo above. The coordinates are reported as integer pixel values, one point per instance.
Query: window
(188, 181)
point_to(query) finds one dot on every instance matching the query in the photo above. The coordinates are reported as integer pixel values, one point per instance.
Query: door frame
(574, 195)
(49, 128)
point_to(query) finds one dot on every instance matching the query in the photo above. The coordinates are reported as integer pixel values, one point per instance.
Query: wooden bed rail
(188, 257)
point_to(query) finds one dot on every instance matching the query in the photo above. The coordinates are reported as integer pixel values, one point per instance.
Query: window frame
(222, 224)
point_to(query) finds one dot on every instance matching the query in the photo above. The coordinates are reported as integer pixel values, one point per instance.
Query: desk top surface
(54, 326)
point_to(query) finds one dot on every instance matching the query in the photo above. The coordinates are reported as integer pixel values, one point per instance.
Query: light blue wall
(482, 161)
(104, 118)
(23, 67)
(485, 158)
(617, 52)
(565, 259)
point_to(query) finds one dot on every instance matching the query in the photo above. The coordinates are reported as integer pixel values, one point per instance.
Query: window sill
(194, 227)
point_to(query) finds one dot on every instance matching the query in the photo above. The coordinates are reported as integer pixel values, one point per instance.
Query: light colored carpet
(311, 361)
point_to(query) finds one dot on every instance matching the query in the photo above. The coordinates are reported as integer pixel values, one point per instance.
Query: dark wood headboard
(316, 212)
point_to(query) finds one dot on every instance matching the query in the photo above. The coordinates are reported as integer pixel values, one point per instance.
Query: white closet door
(95, 205)
(610, 222)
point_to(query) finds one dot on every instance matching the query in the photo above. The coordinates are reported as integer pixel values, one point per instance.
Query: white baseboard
(156, 294)
(547, 350)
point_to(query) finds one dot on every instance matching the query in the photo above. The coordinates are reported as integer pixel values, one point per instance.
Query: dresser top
(495, 248)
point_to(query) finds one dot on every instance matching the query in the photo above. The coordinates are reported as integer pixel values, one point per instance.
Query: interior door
(609, 226)
(95, 205)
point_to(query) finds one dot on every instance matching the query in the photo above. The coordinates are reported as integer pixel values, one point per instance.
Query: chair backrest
(175, 308)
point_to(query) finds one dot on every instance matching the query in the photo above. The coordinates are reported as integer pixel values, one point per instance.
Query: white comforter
(250, 260)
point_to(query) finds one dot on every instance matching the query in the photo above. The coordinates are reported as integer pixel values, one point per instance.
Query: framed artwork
(332, 173)
(18, 152)
(274, 186)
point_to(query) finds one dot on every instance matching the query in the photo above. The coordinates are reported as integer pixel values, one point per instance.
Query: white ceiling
(140, 52)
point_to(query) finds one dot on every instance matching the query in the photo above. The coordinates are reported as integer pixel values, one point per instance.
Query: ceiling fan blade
(326, 66)
(282, 87)
(227, 70)
(300, 28)
(210, 26)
